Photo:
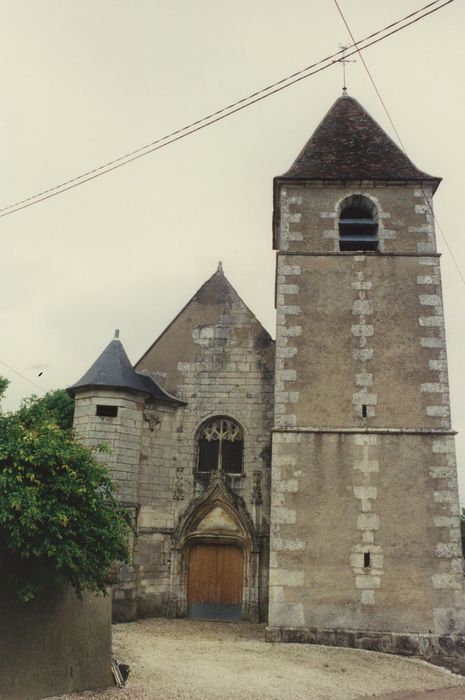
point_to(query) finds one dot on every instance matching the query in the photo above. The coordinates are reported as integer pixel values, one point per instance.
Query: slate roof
(157, 393)
(112, 369)
(349, 144)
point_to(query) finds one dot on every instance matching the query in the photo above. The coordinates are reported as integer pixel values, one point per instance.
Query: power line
(371, 77)
(401, 144)
(225, 112)
(23, 377)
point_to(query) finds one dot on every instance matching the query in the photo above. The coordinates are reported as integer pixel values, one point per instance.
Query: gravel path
(185, 660)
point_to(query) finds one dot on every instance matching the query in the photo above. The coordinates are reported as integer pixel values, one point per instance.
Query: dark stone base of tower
(445, 650)
(312, 481)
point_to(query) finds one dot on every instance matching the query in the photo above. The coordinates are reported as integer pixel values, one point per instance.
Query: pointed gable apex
(217, 290)
(349, 144)
(194, 326)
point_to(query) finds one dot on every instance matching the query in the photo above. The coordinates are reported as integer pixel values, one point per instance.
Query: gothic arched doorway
(215, 581)
(215, 558)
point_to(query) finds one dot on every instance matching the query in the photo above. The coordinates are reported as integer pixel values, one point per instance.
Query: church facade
(308, 481)
(189, 432)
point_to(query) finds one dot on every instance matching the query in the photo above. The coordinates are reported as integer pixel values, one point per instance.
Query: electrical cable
(227, 111)
(231, 109)
(23, 377)
(402, 145)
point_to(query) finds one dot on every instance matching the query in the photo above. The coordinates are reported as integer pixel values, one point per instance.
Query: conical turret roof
(112, 369)
(349, 144)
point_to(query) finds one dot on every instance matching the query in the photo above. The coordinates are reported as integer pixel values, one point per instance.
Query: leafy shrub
(59, 517)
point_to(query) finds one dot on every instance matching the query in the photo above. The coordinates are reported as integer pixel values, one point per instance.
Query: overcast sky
(84, 81)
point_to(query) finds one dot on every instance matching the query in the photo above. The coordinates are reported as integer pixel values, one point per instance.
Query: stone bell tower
(365, 531)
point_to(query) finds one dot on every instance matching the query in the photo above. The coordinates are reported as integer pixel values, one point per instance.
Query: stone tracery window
(220, 446)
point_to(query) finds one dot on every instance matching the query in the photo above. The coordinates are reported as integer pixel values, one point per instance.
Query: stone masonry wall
(338, 496)
(364, 514)
(309, 215)
(122, 437)
(222, 362)
(361, 330)
(156, 486)
(367, 299)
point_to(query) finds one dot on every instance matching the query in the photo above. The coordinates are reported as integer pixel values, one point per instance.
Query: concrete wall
(55, 644)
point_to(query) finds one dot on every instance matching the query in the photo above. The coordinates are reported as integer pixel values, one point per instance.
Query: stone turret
(110, 400)
(113, 404)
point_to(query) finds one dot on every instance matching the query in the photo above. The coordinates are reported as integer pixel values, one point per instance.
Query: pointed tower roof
(112, 369)
(349, 144)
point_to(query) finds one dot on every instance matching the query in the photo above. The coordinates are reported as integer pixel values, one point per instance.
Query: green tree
(3, 385)
(56, 406)
(59, 517)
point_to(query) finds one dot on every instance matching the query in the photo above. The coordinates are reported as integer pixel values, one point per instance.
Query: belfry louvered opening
(358, 227)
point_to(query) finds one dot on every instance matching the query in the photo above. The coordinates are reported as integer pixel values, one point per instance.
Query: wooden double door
(215, 581)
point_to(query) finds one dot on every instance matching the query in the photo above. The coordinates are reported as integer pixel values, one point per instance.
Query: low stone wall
(445, 650)
(55, 644)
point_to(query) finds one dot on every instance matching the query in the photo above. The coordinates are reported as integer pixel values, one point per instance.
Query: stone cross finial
(116, 333)
(220, 267)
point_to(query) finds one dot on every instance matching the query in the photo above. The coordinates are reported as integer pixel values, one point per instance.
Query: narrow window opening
(366, 560)
(107, 411)
(208, 455)
(232, 457)
(364, 410)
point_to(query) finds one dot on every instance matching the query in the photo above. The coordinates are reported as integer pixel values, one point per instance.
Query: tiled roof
(348, 144)
(112, 369)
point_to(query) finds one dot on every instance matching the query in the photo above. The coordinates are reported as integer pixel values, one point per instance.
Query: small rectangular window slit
(366, 560)
(364, 410)
(107, 411)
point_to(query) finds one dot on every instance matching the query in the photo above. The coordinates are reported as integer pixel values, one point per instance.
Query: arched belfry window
(358, 226)
(220, 446)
